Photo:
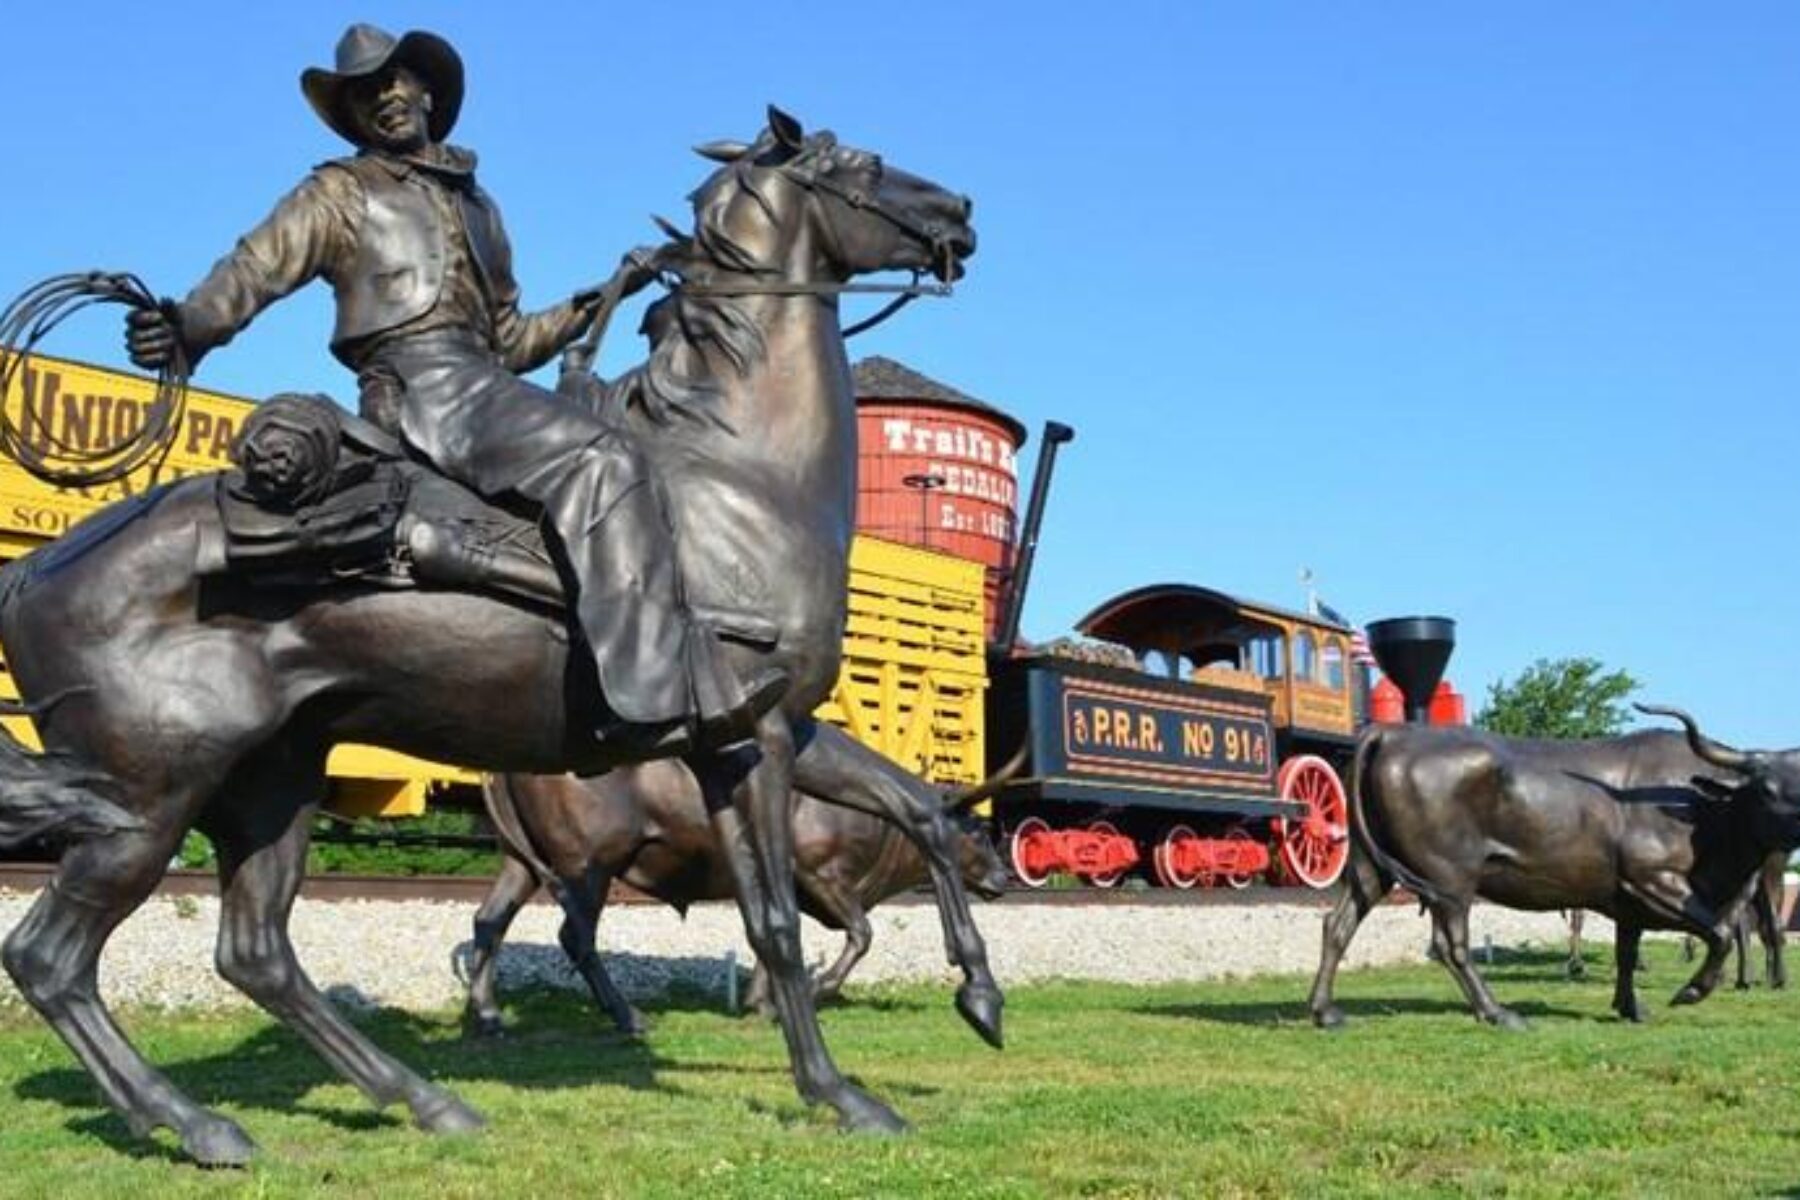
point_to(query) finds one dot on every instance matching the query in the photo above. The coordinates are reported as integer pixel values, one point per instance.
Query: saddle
(319, 497)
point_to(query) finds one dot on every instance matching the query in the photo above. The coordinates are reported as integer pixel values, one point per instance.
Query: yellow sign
(88, 408)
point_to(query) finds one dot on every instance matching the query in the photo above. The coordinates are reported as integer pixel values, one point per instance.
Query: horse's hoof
(1331, 1017)
(1688, 995)
(859, 1112)
(635, 1024)
(488, 1026)
(444, 1113)
(980, 1006)
(214, 1141)
(1507, 1019)
(1576, 969)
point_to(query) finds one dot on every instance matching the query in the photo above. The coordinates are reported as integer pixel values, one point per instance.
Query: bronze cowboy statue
(192, 653)
(428, 318)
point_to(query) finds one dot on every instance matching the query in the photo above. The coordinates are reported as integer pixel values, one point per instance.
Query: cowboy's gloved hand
(637, 270)
(152, 335)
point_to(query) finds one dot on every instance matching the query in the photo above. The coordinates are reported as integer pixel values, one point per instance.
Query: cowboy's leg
(506, 437)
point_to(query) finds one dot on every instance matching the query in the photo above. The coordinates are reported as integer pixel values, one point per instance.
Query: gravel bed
(408, 954)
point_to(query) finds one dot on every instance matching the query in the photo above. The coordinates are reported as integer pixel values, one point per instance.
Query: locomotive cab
(1302, 663)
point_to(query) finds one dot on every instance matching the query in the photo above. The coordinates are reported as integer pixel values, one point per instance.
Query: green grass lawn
(1215, 1089)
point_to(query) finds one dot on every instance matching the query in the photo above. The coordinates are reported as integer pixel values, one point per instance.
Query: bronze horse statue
(210, 702)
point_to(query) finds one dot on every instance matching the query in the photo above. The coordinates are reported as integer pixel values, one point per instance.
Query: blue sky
(1484, 310)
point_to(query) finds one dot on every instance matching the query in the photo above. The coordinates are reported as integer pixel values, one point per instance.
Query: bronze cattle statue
(647, 826)
(1651, 829)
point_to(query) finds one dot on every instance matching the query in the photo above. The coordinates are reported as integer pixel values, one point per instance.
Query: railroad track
(471, 890)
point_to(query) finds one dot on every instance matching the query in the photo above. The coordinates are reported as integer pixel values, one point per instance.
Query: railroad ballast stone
(408, 954)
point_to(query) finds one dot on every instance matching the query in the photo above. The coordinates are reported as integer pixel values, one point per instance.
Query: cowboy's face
(391, 107)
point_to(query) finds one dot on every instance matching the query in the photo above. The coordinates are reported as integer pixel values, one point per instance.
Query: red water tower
(937, 469)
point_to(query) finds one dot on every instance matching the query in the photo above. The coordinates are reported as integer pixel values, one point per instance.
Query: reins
(903, 293)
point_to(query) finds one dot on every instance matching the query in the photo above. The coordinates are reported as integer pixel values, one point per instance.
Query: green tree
(1559, 698)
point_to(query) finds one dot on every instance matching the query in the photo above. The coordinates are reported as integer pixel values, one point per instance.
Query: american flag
(1359, 641)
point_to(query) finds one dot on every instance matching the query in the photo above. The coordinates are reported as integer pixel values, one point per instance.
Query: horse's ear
(786, 129)
(724, 151)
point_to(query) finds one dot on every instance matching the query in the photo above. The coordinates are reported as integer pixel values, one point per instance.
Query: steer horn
(1713, 752)
(975, 794)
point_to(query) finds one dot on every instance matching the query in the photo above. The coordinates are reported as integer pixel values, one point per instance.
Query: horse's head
(793, 203)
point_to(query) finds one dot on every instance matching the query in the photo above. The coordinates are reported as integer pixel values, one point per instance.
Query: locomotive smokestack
(1412, 651)
(1006, 631)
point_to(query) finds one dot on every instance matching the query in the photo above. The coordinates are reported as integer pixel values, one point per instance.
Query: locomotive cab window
(1268, 656)
(1306, 653)
(1331, 664)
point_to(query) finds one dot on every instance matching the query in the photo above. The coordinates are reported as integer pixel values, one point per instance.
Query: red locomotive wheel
(1237, 881)
(1105, 829)
(1024, 834)
(1314, 848)
(1166, 854)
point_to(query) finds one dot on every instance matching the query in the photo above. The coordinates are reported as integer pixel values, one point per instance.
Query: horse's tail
(1388, 864)
(52, 795)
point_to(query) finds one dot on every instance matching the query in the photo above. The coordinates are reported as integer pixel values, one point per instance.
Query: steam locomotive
(1185, 736)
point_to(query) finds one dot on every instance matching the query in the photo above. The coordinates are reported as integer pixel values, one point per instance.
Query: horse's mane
(682, 326)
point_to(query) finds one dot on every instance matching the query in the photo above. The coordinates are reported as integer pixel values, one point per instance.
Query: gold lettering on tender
(1149, 738)
(1103, 726)
(1122, 729)
(1190, 738)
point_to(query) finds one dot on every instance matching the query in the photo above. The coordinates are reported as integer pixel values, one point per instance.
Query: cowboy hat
(364, 50)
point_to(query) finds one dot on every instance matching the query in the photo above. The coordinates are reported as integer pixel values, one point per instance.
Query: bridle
(812, 181)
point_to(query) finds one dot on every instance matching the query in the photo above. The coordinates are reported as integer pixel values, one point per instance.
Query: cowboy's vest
(404, 250)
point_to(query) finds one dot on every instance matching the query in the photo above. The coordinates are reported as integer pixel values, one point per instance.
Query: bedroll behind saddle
(320, 497)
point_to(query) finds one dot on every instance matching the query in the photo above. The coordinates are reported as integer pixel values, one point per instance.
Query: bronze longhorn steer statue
(1653, 830)
(647, 826)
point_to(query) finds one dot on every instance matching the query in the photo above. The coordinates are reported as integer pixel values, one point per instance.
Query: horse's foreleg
(53, 953)
(261, 834)
(752, 816)
(512, 888)
(841, 770)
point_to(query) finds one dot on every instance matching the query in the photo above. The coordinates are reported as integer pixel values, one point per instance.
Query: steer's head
(1767, 782)
(982, 870)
